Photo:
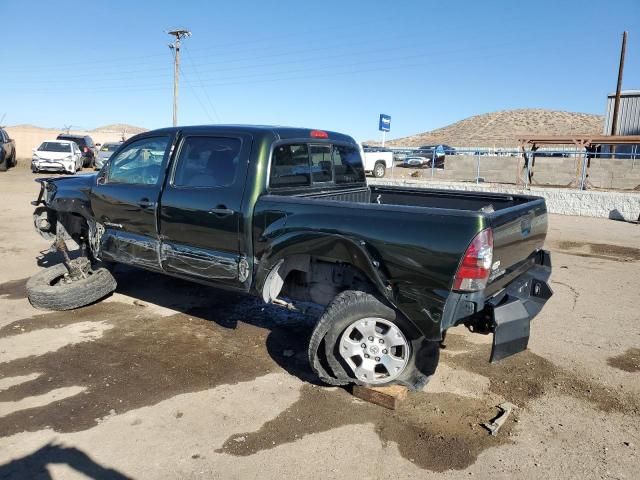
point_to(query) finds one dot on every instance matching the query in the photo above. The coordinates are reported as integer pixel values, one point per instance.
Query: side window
(290, 166)
(320, 163)
(347, 164)
(207, 162)
(139, 163)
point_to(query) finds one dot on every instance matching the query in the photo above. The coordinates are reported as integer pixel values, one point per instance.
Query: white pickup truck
(376, 160)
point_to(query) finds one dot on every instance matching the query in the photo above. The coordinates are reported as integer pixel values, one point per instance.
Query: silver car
(416, 161)
(105, 152)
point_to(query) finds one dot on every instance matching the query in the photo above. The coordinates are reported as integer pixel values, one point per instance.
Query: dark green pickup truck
(286, 214)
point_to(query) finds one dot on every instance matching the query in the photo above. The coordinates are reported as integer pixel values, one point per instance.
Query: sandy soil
(166, 379)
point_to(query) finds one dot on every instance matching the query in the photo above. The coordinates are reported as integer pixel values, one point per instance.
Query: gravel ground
(167, 379)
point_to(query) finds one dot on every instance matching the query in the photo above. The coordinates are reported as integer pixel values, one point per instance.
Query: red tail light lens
(85, 149)
(319, 134)
(474, 270)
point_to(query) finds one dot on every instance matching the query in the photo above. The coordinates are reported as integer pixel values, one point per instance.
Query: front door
(201, 209)
(125, 202)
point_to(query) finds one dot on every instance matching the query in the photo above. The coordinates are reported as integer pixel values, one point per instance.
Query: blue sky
(324, 64)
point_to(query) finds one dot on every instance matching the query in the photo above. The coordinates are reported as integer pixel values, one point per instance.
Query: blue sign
(385, 123)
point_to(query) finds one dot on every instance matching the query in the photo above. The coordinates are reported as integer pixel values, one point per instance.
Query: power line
(201, 85)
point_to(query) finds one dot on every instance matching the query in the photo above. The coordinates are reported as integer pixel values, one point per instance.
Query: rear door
(201, 209)
(125, 201)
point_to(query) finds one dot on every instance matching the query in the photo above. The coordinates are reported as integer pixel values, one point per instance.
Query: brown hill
(120, 127)
(505, 127)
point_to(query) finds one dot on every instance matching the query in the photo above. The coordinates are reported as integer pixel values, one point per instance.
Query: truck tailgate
(518, 233)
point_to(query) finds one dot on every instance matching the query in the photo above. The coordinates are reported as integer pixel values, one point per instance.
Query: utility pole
(67, 128)
(179, 33)
(616, 104)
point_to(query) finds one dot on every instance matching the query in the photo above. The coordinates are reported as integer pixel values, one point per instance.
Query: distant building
(628, 113)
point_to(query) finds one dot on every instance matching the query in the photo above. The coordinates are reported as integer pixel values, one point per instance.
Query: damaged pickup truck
(286, 214)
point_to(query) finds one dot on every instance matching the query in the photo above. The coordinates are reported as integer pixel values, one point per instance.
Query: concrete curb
(584, 203)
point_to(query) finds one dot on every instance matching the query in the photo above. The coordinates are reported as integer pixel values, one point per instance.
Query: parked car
(377, 160)
(441, 149)
(439, 152)
(7, 151)
(239, 208)
(86, 145)
(57, 156)
(105, 152)
(419, 161)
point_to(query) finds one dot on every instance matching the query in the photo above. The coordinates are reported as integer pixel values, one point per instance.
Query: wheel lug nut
(371, 339)
(384, 351)
(377, 359)
(381, 341)
(364, 345)
(366, 355)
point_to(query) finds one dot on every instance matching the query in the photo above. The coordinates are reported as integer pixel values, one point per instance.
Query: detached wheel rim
(376, 350)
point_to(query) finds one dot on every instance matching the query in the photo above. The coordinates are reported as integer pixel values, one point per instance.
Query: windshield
(109, 147)
(54, 147)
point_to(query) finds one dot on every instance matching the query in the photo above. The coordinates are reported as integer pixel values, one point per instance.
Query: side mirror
(34, 150)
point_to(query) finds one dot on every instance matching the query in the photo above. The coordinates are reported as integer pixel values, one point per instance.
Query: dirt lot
(172, 380)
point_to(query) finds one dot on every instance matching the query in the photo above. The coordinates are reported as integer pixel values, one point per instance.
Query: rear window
(321, 170)
(78, 141)
(54, 147)
(109, 147)
(290, 166)
(298, 165)
(347, 164)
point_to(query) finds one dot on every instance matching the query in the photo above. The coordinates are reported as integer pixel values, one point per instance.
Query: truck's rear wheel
(53, 289)
(379, 170)
(368, 343)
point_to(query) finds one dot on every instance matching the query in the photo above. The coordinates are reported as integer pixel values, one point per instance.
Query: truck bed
(519, 222)
(421, 197)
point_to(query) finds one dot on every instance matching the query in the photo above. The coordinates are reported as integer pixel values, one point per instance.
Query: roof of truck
(281, 132)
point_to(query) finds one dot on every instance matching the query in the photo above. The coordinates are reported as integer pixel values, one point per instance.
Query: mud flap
(512, 315)
(511, 330)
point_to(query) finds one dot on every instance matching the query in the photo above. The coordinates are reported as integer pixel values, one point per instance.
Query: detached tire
(361, 340)
(46, 292)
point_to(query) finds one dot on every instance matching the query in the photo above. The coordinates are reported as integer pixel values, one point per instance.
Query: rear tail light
(473, 272)
(85, 149)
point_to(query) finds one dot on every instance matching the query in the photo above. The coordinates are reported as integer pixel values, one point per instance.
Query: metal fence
(554, 167)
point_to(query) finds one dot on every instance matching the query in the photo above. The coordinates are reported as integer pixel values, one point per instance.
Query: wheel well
(305, 278)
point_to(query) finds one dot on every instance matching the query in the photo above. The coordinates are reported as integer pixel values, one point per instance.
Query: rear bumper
(507, 314)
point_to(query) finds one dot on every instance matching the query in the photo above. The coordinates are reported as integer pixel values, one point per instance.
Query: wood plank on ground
(388, 397)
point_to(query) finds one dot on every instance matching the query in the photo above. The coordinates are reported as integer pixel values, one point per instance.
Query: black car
(87, 147)
(7, 151)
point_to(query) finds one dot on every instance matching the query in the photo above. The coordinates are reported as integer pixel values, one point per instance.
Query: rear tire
(46, 290)
(4, 164)
(379, 169)
(415, 357)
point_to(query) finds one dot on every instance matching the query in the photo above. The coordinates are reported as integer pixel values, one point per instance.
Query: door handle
(145, 203)
(221, 211)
